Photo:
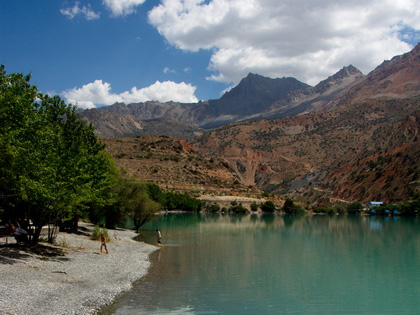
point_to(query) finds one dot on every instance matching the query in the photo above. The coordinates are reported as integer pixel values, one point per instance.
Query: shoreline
(72, 278)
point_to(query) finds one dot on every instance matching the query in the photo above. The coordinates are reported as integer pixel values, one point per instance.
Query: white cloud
(167, 70)
(308, 40)
(99, 93)
(88, 13)
(122, 7)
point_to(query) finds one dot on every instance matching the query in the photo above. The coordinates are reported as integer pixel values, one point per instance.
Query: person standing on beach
(159, 236)
(103, 244)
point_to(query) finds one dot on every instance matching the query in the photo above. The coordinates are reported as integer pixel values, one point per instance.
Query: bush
(96, 234)
(268, 206)
(319, 210)
(238, 209)
(213, 208)
(354, 208)
(290, 208)
(254, 206)
(331, 211)
(341, 209)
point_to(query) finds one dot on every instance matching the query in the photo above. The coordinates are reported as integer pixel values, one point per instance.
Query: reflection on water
(271, 264)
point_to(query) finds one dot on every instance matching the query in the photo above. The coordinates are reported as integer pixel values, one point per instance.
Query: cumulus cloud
(308, 40)
(99, 93)
(122, 7)
(75, 10)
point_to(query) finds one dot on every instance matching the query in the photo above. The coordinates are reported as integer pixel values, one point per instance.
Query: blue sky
(98, 52)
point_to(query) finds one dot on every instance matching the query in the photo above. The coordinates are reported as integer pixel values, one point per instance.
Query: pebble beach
(70, 277)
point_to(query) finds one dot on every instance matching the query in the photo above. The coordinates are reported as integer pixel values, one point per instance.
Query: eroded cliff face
(324, 150)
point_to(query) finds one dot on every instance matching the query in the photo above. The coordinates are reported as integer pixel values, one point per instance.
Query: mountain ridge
(255, 97)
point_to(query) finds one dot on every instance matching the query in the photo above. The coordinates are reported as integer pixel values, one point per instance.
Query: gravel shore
(72, 278)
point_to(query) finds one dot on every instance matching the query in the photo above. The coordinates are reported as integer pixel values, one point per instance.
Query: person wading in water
(158, 237)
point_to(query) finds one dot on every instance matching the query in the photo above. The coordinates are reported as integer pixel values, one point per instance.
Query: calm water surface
(275, 264)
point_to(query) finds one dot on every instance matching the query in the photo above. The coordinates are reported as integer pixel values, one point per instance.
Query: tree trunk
(76, 223)
(36, 235)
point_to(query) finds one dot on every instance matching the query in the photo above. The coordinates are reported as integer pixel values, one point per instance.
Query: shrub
(213, 208)
(331, 211)
(341, 209)
(319, 210)
(96, 234)
(268, 206)
(355, 207)
(254, 206)
(290, 208)
(238, 209)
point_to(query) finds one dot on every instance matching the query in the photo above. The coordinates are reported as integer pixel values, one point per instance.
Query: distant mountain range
(350, 137)
(255, 97)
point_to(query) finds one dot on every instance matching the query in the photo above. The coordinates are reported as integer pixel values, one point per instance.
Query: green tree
(290, 207)
(130, 198)
(134, 201)
(51, 163)
(238, 208)
(214, 207)
(254, 206)
(355, 207)
(268, 206)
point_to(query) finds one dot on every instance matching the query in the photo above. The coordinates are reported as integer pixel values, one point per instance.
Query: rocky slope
(172, 163)
(398, 78)
(332, 152)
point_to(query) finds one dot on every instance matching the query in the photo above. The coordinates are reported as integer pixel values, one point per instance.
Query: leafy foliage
(174, 201)
(51, 163)
(97, 231)
(268, 206)
(355, 207)
(238, 208)
(131, 199)
(290, 207)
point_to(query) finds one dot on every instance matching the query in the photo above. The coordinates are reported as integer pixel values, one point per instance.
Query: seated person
(20, 234)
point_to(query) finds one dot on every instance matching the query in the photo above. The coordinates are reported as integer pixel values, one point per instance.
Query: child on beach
(103, 244)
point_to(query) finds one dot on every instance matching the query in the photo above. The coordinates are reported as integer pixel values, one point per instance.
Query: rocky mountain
(397, 78)
(356, 139)
(365, 147)
(312, 99)
(255, 97)
(339, 154)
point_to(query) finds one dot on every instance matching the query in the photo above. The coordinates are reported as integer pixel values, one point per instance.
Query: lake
(279, 264)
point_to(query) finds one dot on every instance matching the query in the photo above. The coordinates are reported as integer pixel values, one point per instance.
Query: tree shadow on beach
(13, 253)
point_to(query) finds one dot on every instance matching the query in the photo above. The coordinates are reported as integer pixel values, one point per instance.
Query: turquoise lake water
(277, 264)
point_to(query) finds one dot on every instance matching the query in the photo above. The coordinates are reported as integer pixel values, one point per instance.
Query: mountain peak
(395, 78)
(349, 70)
(254, 94)
(342, 79)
